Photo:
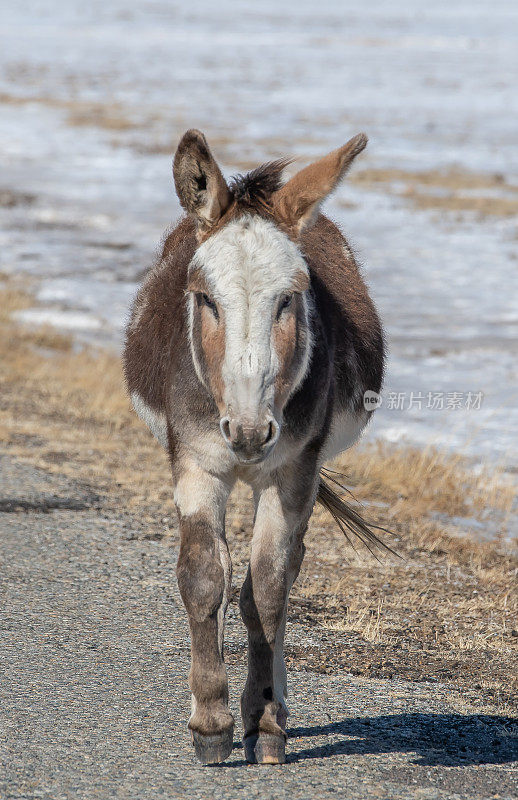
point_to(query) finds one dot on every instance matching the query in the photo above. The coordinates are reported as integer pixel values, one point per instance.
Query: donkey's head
(248, 301)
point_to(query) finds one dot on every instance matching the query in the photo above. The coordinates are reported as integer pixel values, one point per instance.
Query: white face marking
(249, 264)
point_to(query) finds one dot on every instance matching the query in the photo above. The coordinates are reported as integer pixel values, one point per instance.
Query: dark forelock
(256, 187)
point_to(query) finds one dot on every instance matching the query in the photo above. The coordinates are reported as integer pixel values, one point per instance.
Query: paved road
(94, 702)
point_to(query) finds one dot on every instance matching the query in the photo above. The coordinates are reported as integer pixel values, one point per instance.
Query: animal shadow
(438, 739)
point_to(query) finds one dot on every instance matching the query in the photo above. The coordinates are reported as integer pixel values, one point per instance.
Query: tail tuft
(350, 521)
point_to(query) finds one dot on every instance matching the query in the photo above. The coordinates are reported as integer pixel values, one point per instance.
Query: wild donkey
(250, 346)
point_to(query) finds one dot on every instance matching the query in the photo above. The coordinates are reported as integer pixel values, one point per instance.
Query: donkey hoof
(215, 748)
(265, 748)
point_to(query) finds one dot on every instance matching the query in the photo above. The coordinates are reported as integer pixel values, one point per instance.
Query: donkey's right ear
(200, 186)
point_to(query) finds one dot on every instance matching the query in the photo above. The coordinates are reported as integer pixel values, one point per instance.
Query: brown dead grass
(414, 481)
(446, 608)
(453, 178)
(486, 194)
(109, 116)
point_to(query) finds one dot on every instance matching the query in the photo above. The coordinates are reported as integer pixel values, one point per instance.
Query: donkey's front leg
(282, 512)
(204, 572)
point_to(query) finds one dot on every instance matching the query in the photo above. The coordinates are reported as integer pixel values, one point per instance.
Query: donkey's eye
(285, 303)
(205, 300)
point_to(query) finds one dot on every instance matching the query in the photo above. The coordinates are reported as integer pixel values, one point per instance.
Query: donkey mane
(256, 187)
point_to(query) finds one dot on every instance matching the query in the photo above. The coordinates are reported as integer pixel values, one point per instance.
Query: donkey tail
(350, 521)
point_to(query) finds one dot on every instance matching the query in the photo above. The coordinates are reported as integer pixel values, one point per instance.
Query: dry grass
(109, 116)
(86, 382)
(414, 481)
(487, 194)
(364, 621)
(452, 178)
(446, 608)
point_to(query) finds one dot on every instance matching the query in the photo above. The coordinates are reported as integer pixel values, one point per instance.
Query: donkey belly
(155, 420)
(346, 427)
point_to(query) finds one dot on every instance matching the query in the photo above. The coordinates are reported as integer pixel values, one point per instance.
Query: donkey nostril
(225, 428)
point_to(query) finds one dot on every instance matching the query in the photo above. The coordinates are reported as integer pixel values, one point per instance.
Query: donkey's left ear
(200, 186)
(296, 203)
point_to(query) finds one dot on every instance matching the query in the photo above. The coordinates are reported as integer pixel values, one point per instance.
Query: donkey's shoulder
(346, 310)
(331, 261)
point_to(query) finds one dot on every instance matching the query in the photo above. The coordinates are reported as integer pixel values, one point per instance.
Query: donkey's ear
(296, 203)
(200, 186)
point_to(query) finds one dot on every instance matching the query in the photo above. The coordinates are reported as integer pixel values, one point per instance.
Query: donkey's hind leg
(204, 574)
(282, 512)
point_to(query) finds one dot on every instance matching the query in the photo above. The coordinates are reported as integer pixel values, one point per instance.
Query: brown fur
(201, 583)
(209, 343)
(287, 348)
(348, 310)
(200, 186)
(151, 354)
(264, 593)
(296, 203)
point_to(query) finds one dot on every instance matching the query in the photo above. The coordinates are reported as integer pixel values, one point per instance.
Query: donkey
(248, 352)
